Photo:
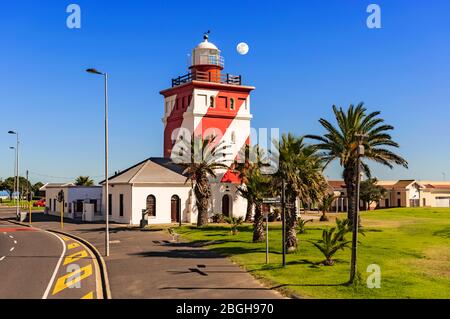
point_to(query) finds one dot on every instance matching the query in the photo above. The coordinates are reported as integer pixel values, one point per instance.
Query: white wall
(115, 191)
(163, 194)
(71, 194)
(238, 203)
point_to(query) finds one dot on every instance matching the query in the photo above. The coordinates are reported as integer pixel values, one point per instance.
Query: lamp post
(17, 184)
(105, 76)
(355, 222)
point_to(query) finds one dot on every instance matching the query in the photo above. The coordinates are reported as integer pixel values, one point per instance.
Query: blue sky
(304, 57)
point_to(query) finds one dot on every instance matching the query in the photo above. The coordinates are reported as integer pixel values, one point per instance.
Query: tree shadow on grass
(198, 253)
(445, 232)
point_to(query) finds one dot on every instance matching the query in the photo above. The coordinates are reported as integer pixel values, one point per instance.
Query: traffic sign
(272, 200)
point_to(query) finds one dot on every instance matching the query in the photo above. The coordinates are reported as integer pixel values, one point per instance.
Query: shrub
(218, 218)
(234, 222)
(301, 223)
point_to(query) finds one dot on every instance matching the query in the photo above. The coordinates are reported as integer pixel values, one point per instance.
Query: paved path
(37, 264)
(145, 264)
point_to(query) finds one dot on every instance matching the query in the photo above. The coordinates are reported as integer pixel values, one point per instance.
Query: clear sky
(304, 57)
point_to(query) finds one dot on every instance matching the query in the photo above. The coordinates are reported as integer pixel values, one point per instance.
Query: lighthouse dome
(207, 45)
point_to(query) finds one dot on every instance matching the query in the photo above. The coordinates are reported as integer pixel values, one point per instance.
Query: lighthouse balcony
(207, 77)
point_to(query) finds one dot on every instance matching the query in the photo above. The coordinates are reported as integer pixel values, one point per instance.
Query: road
(37, 264)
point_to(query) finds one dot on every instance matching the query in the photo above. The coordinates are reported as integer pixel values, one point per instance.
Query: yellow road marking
(78, 275)
(73, 245)
(88, 296)
(74, 257)
(64, 238)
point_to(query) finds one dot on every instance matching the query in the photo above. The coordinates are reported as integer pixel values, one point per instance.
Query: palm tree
(200, 159)
(342, 143)
(330, 243)
(300, 167)
(84, 181)
(241, 167)
(325, 205)
(257, 186)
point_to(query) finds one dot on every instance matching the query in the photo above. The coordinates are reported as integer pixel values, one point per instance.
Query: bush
(234, 222)
(275, 215)
(218, 218)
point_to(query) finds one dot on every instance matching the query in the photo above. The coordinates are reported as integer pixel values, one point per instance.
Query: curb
(106, 289)
(101, 262)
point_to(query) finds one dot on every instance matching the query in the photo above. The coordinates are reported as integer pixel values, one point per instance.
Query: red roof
(231, 177)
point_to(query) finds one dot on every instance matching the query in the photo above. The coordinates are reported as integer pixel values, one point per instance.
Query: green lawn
(23, 204)
(411, 245)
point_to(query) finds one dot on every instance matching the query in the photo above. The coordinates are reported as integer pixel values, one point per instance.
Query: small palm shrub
(301, 223)
(332, 241)
(218, 218)
(344, 226)
(274, 215)
(234, 222)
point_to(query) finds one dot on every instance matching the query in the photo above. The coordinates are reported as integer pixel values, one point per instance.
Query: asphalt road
(36, 264)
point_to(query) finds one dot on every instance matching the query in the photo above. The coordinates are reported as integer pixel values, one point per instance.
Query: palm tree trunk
(291, 228)
(202, 200)
(350, 183)
(258, 224)
(248, 215)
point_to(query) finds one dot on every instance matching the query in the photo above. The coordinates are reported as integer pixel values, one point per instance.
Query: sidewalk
(145, 264)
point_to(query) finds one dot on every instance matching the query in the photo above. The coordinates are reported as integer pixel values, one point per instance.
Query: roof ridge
(139, 170)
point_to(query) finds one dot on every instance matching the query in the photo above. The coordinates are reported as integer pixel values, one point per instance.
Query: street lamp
(105, 76)
(355, 222)
(17, 170)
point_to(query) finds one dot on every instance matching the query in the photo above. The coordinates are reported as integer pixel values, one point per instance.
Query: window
(189, 100)
(243, 103)
(233, 138)
(211, 102)
(151, 206)
(185, 102)
(177, 101)
(231, 104)
(121, 205)
(110, 204)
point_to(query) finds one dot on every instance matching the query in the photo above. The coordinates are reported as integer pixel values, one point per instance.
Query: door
(175, 209)
(226, 205)
(442, 201)
(399, 202)
(79, 208)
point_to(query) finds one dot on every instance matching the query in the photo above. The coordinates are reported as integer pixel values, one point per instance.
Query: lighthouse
(206, 102)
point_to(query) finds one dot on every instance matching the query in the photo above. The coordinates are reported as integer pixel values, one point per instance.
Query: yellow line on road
(74, 257)
(79, 274)
(88, 296)
(73, 245)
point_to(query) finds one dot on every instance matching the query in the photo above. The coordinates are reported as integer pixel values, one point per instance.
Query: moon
(242, 48)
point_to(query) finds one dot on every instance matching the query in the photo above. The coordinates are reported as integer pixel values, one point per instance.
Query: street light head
(94, 71)
(11, 132)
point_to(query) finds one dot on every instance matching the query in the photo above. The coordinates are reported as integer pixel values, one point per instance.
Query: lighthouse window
(232, 104)
(233, 138)
(211, 102)
(176, 104)
(243, 102)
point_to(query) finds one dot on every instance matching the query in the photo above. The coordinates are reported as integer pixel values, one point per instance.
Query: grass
(411, 246)
(23, 204)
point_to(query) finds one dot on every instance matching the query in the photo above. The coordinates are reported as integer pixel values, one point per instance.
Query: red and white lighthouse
(206, 101)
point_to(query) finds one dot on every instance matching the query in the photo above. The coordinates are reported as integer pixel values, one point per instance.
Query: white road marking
(1, 258)
(12, 248)
(11, 236)
(50, 284)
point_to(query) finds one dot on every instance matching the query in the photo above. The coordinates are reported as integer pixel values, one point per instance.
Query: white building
(77, 200)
